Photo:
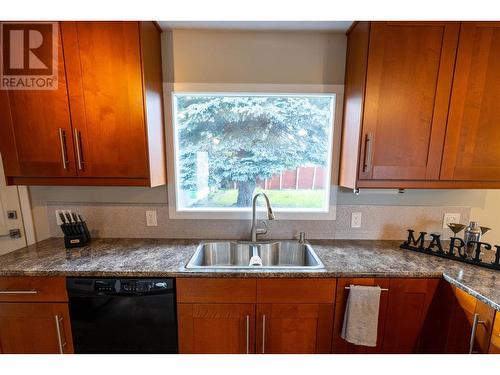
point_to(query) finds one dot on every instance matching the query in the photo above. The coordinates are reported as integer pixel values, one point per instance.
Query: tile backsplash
(378, 222)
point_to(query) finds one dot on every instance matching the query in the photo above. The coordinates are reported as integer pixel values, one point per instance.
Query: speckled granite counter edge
(471, 291)
(258, 274)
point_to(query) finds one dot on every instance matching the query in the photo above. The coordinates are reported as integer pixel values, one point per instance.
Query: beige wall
(221, 56)
(489, 216)
(211, 56)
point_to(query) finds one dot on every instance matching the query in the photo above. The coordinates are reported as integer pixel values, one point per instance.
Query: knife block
(75, 234)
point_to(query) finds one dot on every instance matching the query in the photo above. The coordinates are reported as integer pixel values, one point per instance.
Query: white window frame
(245, 213)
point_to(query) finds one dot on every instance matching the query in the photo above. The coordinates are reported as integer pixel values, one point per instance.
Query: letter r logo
(27, 49)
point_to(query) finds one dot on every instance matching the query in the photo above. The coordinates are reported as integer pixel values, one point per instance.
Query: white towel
(361, 315)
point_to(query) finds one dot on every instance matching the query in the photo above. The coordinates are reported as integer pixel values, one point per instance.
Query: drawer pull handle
(248, 334)
(32, 291)
(264, 334)
(475, 323)
(367, 158)
(62, 140)
(79, 155)
(60, 341)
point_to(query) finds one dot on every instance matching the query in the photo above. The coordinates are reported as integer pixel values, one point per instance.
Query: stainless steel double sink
(237, 255)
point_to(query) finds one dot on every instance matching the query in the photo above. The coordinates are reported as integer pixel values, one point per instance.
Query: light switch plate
(151, 220)
(356, 220)
(450, 218)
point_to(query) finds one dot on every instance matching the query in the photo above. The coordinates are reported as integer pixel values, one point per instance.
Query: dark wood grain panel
(409, 301)
(216, 290)
(409, 76)
(340, 346)
(294, 328)
(43, 289)
(30, 328)
(216, 328)
(472, 148)
(296, 290)
(29, 135)
(103, 63)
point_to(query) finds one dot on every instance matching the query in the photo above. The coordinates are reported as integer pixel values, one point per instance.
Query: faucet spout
(270, 215)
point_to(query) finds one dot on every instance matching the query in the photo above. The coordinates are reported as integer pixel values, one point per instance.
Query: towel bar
(382, 289)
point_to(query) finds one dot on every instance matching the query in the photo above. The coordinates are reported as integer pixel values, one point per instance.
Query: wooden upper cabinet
(472, 149)
(408, 82)
(420, 106)
(109, 108)
(103, 63)
(396, 102)
(35, 131)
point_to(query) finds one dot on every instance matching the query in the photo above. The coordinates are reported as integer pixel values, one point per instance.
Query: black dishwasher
(122, 316)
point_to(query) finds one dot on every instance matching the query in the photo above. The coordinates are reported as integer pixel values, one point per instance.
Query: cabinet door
(408, 83)
(472, 149)
(485, 316)
(294, 328)
(216, 328)
(495, 336)
(35, 328)
(340, 346)
(103, 65)
(409, 301)
(35, 131)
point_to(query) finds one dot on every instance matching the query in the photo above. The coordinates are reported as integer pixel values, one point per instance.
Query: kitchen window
(229, 145)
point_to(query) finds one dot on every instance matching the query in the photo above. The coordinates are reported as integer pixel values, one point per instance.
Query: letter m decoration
(411, 241)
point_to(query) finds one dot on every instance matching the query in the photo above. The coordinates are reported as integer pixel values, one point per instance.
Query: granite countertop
(167, 258)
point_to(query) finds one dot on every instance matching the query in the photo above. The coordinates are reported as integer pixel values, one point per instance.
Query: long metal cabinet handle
(62, 344)
(263, 333)
(248, 334)
(367, 159)
(79, 157)
(62, 140)
(475, 323)
(32, 291)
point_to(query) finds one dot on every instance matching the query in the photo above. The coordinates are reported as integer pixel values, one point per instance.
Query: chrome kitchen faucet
(270, 216)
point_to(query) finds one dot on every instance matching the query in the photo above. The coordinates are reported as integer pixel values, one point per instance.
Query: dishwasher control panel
(132, 285)
(142, 286)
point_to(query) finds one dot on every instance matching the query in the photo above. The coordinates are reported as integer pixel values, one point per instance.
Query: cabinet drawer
(33, 289)
(229, 290)
(296, 290)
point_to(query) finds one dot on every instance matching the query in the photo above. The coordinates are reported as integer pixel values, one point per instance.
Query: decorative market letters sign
(457, 249)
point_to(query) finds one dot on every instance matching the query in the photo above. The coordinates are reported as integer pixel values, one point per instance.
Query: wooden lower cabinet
(339, 345)
(495, 336)
(403, 309)
(216, 328)
(236, 316)
(35, 328)
(409, 301)
(294, 328)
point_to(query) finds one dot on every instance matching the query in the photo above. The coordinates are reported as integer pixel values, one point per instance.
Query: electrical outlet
(356, 220)
(450, 218)
(151, 220)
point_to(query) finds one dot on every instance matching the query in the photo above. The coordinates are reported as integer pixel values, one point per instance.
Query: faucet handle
(301, 237)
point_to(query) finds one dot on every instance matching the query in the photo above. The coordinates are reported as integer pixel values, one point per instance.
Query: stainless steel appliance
(114, 316)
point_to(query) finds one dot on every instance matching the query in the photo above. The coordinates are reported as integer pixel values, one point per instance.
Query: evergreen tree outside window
(230, 145)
